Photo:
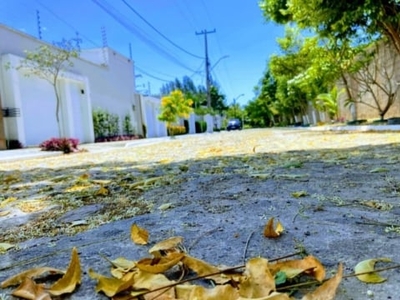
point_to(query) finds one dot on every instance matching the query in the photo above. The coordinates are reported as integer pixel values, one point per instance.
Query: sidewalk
(35, 152)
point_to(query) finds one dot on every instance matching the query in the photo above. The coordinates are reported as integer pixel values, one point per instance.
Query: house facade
(100, 78)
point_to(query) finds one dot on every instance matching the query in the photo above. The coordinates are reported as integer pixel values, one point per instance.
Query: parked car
(234, 124)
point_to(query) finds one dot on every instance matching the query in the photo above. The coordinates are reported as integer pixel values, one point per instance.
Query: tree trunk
(58, 105)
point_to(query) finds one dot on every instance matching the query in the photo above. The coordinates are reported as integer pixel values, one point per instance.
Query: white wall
(150, 111)
(100, 78)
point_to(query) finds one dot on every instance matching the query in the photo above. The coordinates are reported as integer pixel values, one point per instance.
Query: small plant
(201, 126)
(14, 144)
(127, 125)
(176, 129)
(105, 124)
(66, 145)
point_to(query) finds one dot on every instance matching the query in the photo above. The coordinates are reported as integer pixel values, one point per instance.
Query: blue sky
(238, 50)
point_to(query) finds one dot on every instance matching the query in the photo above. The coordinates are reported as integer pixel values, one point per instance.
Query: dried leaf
(139, 235)
(257, 280)
(123, 263)
(148, 281)
(165, 206)
(102, 191)
(379, 170)
(327, 291)
(32, 273)
(270, 231)
(220, 292)
(273, 296)
(299, 194)
(71, 278)
(31, 291)
(112, 286)
(166, 245)
(6, 246)
(160, 264)
(309, 265)
(199, 266)
(4, 213)
(368, 266)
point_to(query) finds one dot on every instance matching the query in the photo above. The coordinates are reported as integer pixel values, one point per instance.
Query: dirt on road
(336, 194)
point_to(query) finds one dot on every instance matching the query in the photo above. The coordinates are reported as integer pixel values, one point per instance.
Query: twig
(246, 246)
(377, 224)
(202, 235)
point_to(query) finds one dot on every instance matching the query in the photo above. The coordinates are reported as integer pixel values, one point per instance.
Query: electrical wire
(136, 31)
(160, 33)
(66, 23)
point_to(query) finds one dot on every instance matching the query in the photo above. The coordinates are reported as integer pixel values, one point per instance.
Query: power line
(65, 22)
(152, 76)
(160, 33)
(131, 28)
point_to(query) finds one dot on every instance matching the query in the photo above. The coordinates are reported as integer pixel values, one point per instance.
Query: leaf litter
(138, 174)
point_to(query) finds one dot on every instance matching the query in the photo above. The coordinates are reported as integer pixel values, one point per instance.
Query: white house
(100, 78)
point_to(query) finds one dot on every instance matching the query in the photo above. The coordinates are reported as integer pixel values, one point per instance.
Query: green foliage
(47, 62)
(197, 94)
(329, 102)
(105, 124)
(201, 126)
(175, 106)
(127, 125)
(340, 20)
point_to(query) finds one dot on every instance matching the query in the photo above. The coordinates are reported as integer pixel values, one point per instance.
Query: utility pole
(208, 79)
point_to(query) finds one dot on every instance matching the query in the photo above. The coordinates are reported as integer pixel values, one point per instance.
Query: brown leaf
(148, 281)
(139, 235)
(369, 266)
(273, 296)
(112, 286)
(32, 273)
(199, 266)
(71, 278)
(220, 292)
(309, 265)
(327, 291)
(257, 280)
(166, 245)
(31, 291)
(102, 191)
(160, 264)
(270, 231)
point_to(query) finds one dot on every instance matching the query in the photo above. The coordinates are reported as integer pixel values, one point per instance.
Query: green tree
(48, 62)
(328, 102)
(174, 106)
(340, 19)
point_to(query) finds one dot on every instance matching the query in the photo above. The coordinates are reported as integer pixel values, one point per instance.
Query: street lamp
(234, 104)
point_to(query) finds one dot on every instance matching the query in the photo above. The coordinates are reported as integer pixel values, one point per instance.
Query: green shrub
(176, 130)
(14, 144)
(105, 124)
(127, 126)
(201, 126)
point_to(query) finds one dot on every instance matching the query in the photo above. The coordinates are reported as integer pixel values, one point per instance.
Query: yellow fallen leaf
(84, 176)
(102, 191)
(148, 281)
(31, 291)
(112, 286)
(379, 170)
(7, 201)
(4, 213)
(165, 206)
(160, 264)
(71, 278)
(6, 246)
(273, 296)
(257, 280)
(309, 265)
(368, 266)
(327, 291)
(139, 235)
(123, 263)
(270, 231)
(299, 194)
(220, 292)
(171, 243)
(32, 273)
(199, 266)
